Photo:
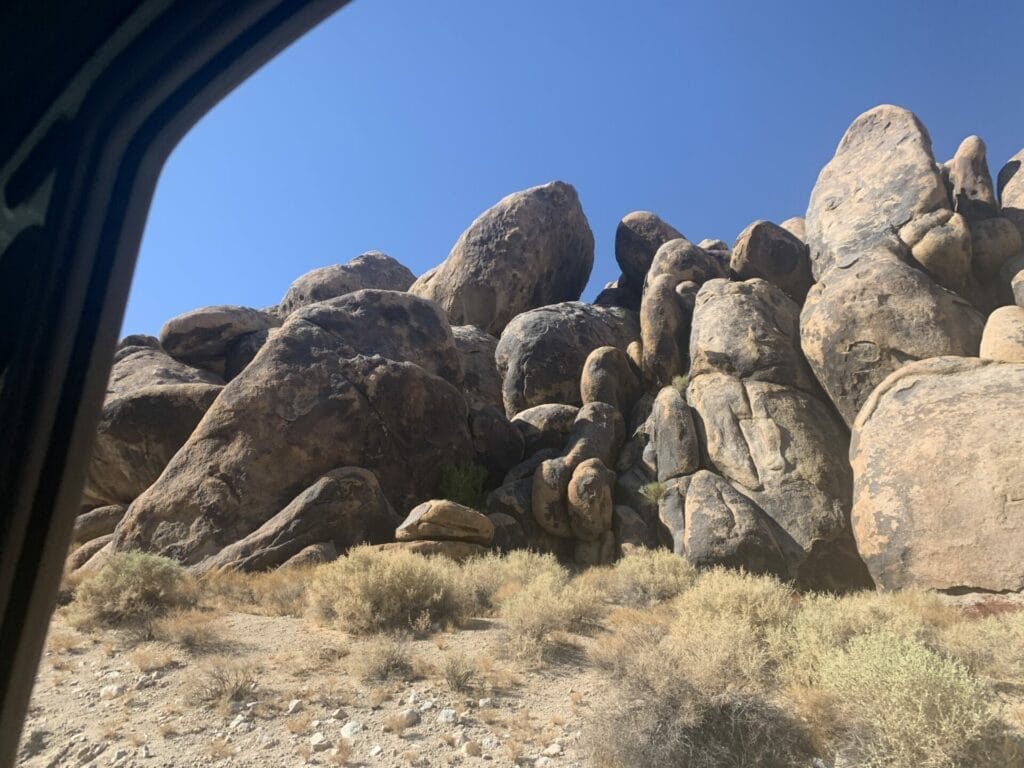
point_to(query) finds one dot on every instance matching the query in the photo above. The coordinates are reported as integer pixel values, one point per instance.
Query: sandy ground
(104, 698)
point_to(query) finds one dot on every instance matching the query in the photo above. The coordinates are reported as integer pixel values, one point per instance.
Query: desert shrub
(548, 605)
(280, 592)
(904, 706)
(647, 576)
(382, 659)
(130, 590)
(190, 628)
(653, 491)
(991, 647)
(630, 641)
(760, 602)
(494, 578)
(463, 483)
(223, 682)
(372, 590)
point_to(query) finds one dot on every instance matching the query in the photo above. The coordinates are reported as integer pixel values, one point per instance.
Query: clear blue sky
(395, 122)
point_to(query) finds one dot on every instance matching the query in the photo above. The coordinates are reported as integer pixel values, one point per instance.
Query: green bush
(130, 590)
(464, 484)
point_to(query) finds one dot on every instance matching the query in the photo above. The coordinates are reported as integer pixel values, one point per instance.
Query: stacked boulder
(703, 402)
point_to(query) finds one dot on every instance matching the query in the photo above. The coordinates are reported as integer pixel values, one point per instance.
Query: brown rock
(631, 530)
(201, 338)
(83, 554)
(938, 468)
(941, 243)
(1003, 338)
(673, 435)
(444, 520)
(882, 176)
(970, 181)
(768, 251)
(685, 262)
(372, 269)
(588, 554)
(531, 249)
(725, 528)
(664, 331)
(97, 522)
(608, 377)
(546, 426)
(994, 241)
(542, 352)
(590, 500)
(344, 507)
(508, 533)
(672, 512)
(313, 555)
(796, 227)
(1011, 191)
(637, 238)
(862, 322)
(481, 381)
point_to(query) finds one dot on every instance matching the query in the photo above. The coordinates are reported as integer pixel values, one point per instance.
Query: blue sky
(395, 122)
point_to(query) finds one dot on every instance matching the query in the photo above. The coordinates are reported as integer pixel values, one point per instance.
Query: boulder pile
(832, 400)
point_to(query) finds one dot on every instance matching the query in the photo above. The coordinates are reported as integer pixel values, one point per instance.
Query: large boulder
(541, 353)
(531, 249)
(1003, 338)
(673, 435)
(863, 321)
(97, 522)
(725, 528)
(1011, 191)
(203, 337)
(883, 175)
(481, 380)
(343, 508)
(970, 182)
(938, 468)
(334, 387)
(545, 426)
(609, 377)
(637, 238)
(152, 405)
(372, 269)
(768, 251)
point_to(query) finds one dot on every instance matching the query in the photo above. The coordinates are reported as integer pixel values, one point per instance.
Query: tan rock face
(1003, 339)
(882, 176)
(445, 520)
(938, 467)
(970, 181)
(589, 498)
(609, 377)
(673, 435)
(531, 249)
(768, 251)
(203, 337)
(862, 322)
(372, 269)
(1011, 191)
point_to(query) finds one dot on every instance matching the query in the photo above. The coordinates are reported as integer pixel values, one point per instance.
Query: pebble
(447, 716)
(351, 728)
(377, 750)
(319, 742)
(337, 714)
(119, 755)
(295, 705)
(144, 751)
(410, 717)
(554, 749)
(489, 742)
(426, 705)
(111, 691)
(485, 703)
(543, 762)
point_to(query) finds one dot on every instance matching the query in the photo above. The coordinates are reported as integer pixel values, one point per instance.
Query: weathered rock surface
(241, 351)
(1011, 191)
(685, 262)
(608, 377)
(97, 522)
(345, 507)
(546, 426)
(590, 500)
(541, 353)
(444, 520)
(770, 252)
(314, 554)
(883, 175)
(938, 472)
(318, 396)
(372, 269)
(152, 405)
(673, 435)
(941, 243)
(797, 227)
(637, 238)
(970, 181)
(481, 381)
(531, 249)
(725, 528)
(498, 444)
(750, 330)
(1003, 337)
(863, 321)
(201, 338)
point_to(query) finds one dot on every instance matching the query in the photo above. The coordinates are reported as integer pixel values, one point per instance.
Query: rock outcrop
(205, 338)
(372, 269)
(531, 249)
(938, 494)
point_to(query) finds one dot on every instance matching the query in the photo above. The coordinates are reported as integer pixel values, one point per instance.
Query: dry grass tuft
(281, 592)
(459, 672)
(536, 616)
(383, 659)
(147, 659)
(224, 681)
(192, 629)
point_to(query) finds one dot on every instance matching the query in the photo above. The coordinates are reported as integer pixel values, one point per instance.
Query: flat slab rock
(442, 519)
